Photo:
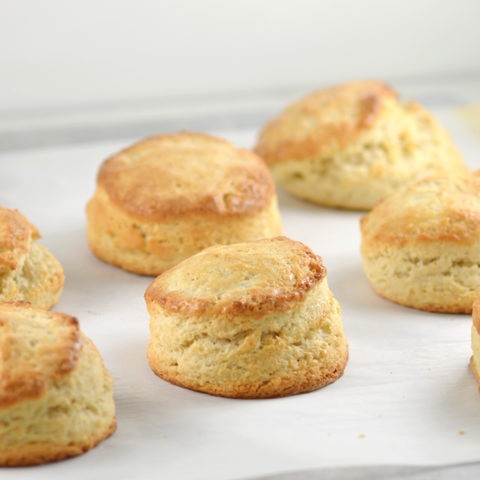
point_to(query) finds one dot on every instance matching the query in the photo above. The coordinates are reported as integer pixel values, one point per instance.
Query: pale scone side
(151, 247)
(280, 354)
(434, 277)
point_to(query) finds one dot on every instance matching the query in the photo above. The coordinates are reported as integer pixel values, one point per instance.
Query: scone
(351, 145)
(28, 271)
(250, 320)
(168, 197)
(55, 394)
(475, 359)
(421, 245)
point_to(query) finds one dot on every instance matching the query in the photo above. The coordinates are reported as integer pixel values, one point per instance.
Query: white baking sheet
(406, 394)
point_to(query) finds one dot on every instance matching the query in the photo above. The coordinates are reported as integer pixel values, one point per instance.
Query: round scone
(250, 320)
(55, 394)
(351, 145)
(28, 271)
(421, 245)
(475, 359)
(168, 197)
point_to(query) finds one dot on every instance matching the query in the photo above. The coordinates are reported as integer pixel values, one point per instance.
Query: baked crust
(29, 455)
(171, 176)
(420, 246)
(352, 145)
(168, 197)
(55, 393)
(276, 290)
(434, 209)
(292, 384)
(28, 271)
(23, 374)
(16, 235)
(426, 306)
(250, 320)
(324, 121)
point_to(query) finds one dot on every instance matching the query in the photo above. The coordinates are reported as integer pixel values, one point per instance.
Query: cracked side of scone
(258, 326)
(55, 393)
(280, 354)
(421, 246)
(436, 278)
(28, 271)
(352, 145)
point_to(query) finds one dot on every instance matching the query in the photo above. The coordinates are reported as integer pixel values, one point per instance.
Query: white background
(60, 53)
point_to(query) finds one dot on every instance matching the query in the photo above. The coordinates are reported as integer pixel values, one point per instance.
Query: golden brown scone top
(434, 209)
(324, 121)
(183, 173)
(253, 278)
(16, 235)
(36, 346)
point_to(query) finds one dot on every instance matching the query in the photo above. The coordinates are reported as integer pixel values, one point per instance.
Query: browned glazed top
(324, 121)
(253, 278)
(36, 346)
(434, 209)
(185, 173)
(16, 235)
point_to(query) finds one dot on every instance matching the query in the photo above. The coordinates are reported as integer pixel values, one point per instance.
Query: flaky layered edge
(312, 364)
